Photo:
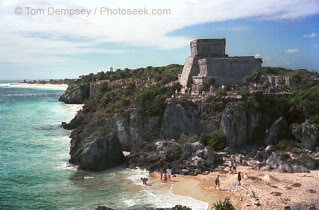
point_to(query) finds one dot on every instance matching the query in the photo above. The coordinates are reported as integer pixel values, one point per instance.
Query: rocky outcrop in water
(76, 94)
(95, 148)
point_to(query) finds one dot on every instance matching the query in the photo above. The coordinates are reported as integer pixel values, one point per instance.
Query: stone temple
(208, 59)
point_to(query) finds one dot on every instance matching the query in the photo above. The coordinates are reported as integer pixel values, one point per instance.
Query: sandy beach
(259, 189)
(62, 86)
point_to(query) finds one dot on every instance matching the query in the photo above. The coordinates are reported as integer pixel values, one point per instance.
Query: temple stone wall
(208, 47)
(229, 70)
(208, 58)
(190, 69)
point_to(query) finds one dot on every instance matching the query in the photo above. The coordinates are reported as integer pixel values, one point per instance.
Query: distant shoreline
(62, 86)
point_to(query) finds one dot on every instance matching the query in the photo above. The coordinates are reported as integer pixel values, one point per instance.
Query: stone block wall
(229, 70)
(208, 47)
(190, 69)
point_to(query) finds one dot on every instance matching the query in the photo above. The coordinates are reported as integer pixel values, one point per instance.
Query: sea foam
(159, 195)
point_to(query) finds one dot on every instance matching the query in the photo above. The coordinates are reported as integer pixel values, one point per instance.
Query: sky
(53, 39)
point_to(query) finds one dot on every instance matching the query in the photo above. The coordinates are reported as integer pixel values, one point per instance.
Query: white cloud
(234, 28)
(292, 51)
(258, 56)
(312, 35)
(22, 39)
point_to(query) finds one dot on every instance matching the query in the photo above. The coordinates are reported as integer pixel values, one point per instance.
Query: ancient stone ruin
(208, 59)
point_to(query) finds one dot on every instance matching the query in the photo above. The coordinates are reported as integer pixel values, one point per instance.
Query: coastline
(260, 189)
(53, 86)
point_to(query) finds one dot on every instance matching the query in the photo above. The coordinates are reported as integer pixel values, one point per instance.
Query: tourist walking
(161, 174)
(230, 164)
(239, 178)
(169, 173)
(217, 182)
(234, 166)
(165, 177)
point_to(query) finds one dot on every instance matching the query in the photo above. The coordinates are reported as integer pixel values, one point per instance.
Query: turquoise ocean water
(34, 169)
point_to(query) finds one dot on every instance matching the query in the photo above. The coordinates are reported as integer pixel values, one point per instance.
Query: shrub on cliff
(288, 144)
(152, 99)
(253, 77)
(224, 205)
(306, 101)
(174, 153)
(215, 139)
(208, 83)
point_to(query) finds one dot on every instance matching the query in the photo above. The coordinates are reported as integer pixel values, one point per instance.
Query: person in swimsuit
(165, 177)
(169, 173)
(217, 182)
(230, 163)
(239, 178)
(144, 180)
(161, 173)
(234, 166)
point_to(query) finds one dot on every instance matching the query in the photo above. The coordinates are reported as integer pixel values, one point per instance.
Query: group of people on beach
(232, 169)
(165, 175)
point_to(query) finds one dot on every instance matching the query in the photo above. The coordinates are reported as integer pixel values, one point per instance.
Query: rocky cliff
(76, 94)
(98, 144)
(141, 117)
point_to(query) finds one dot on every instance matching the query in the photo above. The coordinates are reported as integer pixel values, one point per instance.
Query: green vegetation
(288, 145)
(215, 139)
(145, 88)
(305, 103)
(164, 74)
(253, 77)
(278, 71)
(174, 153)
(224, 205)
(51, 81)
(208, 83)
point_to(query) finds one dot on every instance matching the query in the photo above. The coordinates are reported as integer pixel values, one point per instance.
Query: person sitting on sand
(230, 166)
(165, 177)
(144, 180)
(217, 182)
(239, 178)
(161, 173)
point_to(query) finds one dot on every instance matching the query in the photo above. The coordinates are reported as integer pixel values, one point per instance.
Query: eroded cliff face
(76, 94)
(98, 144)
(98, 140)
(307, 134)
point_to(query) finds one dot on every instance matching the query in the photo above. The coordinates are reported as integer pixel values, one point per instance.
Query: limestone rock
(97, 152)
(76, 94)
(187, 152)
(297, 151)
(176, 121)
(287, 168)
(297, 169)
(197, 146)
(279, 129)
(269, 149)
(307, 133)
(234, 124)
